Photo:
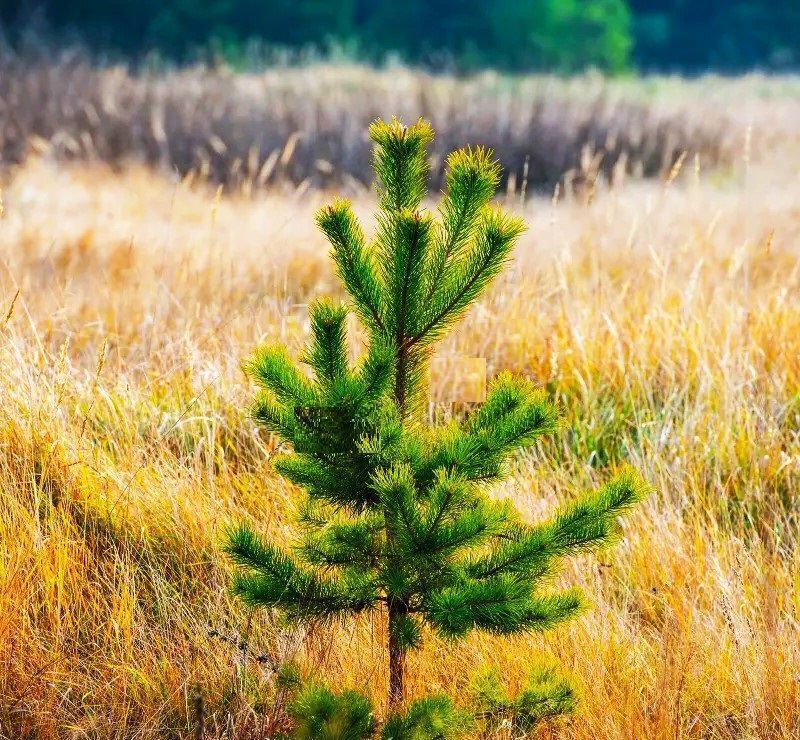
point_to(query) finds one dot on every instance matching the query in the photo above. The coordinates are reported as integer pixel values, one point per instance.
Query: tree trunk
(397, 660)
(397, 609)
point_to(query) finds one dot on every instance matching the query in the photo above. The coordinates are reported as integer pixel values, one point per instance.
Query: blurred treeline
(552, 35)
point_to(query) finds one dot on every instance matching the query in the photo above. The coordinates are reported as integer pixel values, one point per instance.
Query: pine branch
(472, 175)
(355, 544)
(337, 479)
(272, 368)
(587, 524)
(327, 353)
(403, 242)
(353, 263)
(525, 552)
(535, 417)
(507, 394)
(401, 162)
(502, 605)
(274, 579)
(449, 495)
(477, 458)
(591, 521)
(375, 375)
(497, 233)
(425, 550)
(274, 417)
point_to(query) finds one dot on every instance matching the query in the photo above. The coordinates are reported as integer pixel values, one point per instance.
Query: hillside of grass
(303, 127)
(663, 316)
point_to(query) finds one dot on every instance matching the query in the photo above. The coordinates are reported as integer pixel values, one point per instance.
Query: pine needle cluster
(397, 518)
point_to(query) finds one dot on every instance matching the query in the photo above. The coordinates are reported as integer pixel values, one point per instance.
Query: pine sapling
(397, 519)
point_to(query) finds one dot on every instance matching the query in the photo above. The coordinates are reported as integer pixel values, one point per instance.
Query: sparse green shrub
(320, 714)
(548, 694)
(397, 517)
(431, 718)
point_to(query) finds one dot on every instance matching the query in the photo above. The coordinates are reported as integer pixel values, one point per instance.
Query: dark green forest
(515, 35)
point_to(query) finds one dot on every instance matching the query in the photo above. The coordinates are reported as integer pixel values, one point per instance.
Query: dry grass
(664, 317)
(305, 127)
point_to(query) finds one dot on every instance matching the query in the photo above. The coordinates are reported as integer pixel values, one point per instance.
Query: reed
(662, 316)
(302, 127)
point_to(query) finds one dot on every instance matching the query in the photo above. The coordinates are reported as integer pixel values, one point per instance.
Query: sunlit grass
(664, 319)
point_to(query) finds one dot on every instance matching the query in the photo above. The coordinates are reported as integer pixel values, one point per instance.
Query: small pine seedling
(397, 519)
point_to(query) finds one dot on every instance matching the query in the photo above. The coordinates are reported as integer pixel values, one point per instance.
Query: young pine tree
(397, 518)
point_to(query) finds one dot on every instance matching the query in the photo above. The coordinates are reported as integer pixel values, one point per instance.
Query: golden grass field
(664, 316)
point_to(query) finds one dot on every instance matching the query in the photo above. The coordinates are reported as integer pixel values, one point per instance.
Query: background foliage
(560, 35)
